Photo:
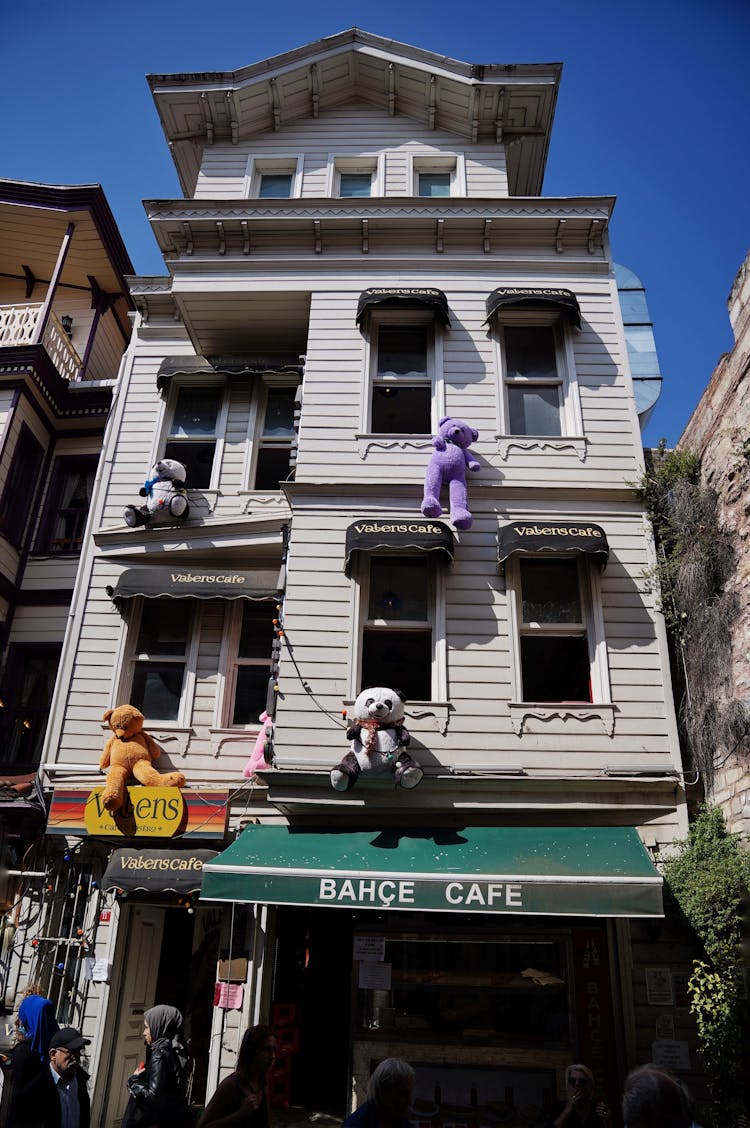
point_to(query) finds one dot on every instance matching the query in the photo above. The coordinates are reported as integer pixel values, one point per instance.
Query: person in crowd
(241, 1100)
(35, 1025)
(388, 1097)
(580, 1109)
(157, 1088)
(653, 1099)
(58, 1096)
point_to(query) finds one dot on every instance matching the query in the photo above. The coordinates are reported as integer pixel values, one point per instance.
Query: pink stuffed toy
(449, 464)
(262, 756)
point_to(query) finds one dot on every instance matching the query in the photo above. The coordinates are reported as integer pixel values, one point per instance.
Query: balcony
(18, 325)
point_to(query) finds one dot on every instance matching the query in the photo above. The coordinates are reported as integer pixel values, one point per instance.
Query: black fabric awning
(373, 535)
(201, 367)
(535, 297)
(552, 537)
(195, 583)
(405, 297)
(156, 871)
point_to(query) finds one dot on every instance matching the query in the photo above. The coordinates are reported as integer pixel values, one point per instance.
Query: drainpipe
(53, 284)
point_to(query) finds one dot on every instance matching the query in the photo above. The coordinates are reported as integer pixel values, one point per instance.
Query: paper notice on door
(375, 976)
(228, 996)
(370, 948)
(98, 971)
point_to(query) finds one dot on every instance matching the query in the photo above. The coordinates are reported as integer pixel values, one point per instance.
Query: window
(277, 177)
(251, 633)
(68, 503)
(355, 176)
(160, 657)
(27, 695)
(402, 364)
(434, 183)
(539, 396)
(276, 442)
(277, 184)
(437, 175)
(397, 635)
(197, 420)
(17, 500)
(555, 651)
(353, 184)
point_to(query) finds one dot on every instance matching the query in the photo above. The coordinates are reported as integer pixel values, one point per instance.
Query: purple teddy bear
(449, 464)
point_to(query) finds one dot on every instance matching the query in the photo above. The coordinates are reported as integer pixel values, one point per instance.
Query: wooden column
(53, 284)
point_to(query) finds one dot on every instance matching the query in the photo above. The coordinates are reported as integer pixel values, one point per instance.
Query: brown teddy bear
(131, 752)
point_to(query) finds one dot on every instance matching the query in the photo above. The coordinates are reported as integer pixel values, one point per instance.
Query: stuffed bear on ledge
(379, 742)
(131, 752)
(448, 465)
(165, 495)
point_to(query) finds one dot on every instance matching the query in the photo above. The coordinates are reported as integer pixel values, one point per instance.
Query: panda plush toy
(165, 495)
(379, 742)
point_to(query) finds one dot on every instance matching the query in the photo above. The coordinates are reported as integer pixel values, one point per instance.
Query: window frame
(589, 588)
(18, 657)
(62, 466)
(131, 657)
(436, 621)
(406, 318)
(453, 163)
(229, 662)
(362, 163)
(256, 422)
(222, 413)
(273, 164)
(571, 420)
(18, 507)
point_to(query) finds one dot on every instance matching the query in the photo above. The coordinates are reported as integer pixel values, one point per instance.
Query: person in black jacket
(36, 1024)
(58, 1095)
(157, 1089)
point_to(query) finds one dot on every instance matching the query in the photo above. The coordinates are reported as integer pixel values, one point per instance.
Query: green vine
(695, 561)
(709, 877)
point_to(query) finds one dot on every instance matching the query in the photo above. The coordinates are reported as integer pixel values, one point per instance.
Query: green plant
(709, 877)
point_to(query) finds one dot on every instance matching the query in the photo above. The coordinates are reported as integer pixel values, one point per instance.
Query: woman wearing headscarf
(157, 1089)
(35, 1026)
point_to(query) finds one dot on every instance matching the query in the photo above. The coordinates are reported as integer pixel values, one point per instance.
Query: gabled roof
(491, 103)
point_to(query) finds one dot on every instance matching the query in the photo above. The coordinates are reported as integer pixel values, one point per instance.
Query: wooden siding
(353, 130)
(40, 625)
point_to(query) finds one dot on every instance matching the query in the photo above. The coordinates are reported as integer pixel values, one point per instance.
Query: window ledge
(367, 442)
(421, 716)
(172, 738)
(576, 444)
(521, 711)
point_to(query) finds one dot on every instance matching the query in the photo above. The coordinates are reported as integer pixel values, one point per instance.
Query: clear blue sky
(653, 108)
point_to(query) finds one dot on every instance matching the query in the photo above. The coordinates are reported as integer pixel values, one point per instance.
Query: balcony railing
(18, 325)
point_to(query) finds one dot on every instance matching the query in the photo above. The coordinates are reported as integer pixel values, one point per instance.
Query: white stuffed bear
(165, 495)
(379, 741)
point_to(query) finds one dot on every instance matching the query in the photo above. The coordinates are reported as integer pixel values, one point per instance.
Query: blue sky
(653, 108)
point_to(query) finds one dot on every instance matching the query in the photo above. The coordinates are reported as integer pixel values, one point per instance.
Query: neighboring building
(363, 249)
(64, 327)
(718, 432)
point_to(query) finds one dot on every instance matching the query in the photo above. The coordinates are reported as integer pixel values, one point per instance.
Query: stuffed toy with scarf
(379, 741)
(165, 495)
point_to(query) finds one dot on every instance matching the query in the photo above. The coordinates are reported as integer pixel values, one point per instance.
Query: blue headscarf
(38, 1023)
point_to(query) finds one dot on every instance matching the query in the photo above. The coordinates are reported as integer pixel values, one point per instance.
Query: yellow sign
(148, 812)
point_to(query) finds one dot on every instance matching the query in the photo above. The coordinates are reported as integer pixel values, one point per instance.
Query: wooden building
(362, 250)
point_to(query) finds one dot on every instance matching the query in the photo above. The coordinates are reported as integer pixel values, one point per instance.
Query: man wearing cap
(59, 1097)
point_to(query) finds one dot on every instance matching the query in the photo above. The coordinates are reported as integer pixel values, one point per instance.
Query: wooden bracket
(207, 117)
(365, 236)
(486, 238)
(596, 235)
(559, 235)
(233, 119)
(431, 101)
(318, 240)
(439, 227)
(222, 237)
(391, 90)
(245, 236)
(188, 237)
(314, 90)
(276, 105)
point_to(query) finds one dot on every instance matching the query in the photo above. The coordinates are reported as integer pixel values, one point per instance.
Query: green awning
(565, 871)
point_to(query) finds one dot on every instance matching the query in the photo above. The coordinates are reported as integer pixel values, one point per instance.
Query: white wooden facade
(273, 284)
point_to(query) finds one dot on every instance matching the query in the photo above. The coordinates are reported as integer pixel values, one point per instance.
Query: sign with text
(78, 812)
(148, 812)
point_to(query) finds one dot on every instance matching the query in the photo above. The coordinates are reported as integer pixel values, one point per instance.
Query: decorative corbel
(486, 238)
(30, 280)
(439, 227)
(233, 119)
(559, 235)
(317, 236)
(222, 237)
(314, 90)
(188, 237)
(365, 236)
(596, 235)
(499, 116)
(207, 117)
(245, 236)
(276, 105)
(475, 115)
(431, 100)
(391, 90)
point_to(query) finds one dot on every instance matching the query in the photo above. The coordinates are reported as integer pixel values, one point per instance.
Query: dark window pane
(157, 688)
(196, 411)
(355, 184)
(272, 467)
(279, 418)
(27, 694)
(530, 352)
(398, 588)
(534, 411)
(401, 411)
(434, 184)
(275, 184)
(71, 507)
(20, 487)
(198, 460)
(402, 350)
(399, 659)
(555, 669)
(164, 627)
(250, 694)
(550, 591)
(256, 636)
